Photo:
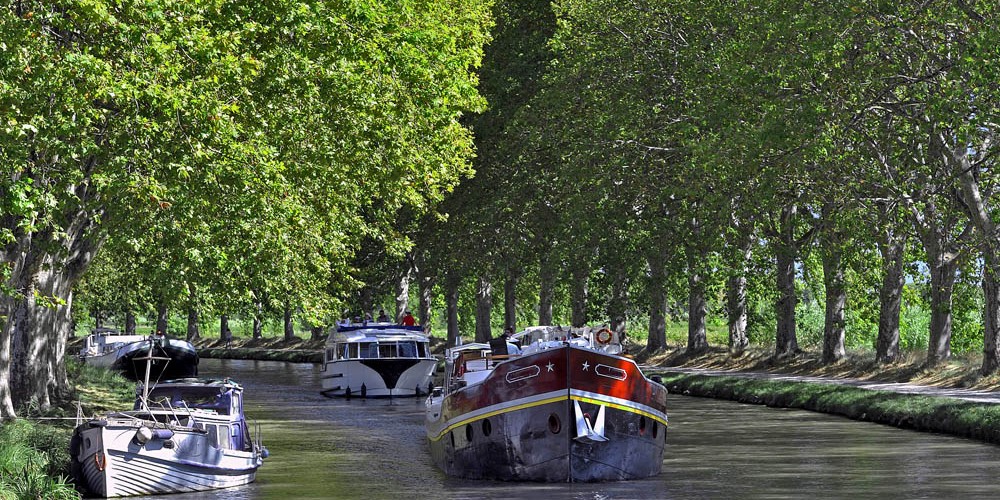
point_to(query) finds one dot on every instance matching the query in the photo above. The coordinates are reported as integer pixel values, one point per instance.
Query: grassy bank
(34, 450)
(265, 349)
(924, 413)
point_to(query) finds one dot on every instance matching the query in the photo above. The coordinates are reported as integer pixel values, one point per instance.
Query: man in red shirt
(408, 319)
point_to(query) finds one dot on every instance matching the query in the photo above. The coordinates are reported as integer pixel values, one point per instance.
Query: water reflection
(374, 449)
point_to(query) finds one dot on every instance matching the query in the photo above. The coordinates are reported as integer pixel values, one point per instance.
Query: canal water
(374, 449)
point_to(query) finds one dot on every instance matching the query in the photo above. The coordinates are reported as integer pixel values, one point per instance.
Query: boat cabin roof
(377, 332)
(220, 396)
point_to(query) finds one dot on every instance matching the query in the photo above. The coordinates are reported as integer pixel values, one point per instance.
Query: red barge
(569, 407)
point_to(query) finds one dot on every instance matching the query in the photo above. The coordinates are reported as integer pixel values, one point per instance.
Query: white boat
(377, 360)
(181, 436)
(570, 407)
(172, 358)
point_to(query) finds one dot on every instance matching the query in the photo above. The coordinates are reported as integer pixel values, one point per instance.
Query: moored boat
(172, 358)
(569, 408)
(377, 360)
(182, 435)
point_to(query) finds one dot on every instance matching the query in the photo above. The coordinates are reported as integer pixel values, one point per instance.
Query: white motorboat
(377, 360)
(569, 407)
(181, 436)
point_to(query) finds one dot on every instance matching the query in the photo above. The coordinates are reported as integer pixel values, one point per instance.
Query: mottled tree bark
(130, 323)
(484, 305)
(618, 302)
(451, 301)
(786, 250)
(657, 303)
(834, 324)
(426, 299)
(162, 315)
(258, 322)
(736, 293)
(192, 324)
(289, 324)
(510, 301)
(403, 293)
(890, 297)
(546, 289)
(224, 332)
(581, 276)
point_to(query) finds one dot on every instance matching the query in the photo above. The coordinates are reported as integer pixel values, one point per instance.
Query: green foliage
(33, 459)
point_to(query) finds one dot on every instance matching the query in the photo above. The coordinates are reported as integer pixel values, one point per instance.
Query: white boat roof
(377, 332)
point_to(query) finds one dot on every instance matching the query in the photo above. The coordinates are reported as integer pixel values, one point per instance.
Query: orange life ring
(99, 460)
(604, 336)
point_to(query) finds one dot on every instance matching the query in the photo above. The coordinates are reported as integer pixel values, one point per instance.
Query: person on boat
(408, 319)
(382, 318)
(512, 348)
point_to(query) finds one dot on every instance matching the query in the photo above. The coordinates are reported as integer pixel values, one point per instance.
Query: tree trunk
(979, 214)
(890, 298)
(834, 324)
(98, 319)
(991, 314)
(942, 272)
(736, 297)
(510, 301)
(192, 324)
(736, 309)
(34, 333)
(581, 275)
(130, 322)
(426, 299)
(618, 303)
(451, 300)
(258, 323)
(657, 303)
(224, 332)
(484, 304)
(289, 326)
(546, 289)
(316, 333)
(697, 305)
(786, 341)
(161, 318)
(403, 294)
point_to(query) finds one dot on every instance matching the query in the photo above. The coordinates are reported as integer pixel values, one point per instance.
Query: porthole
(451, 435)
(487, 427)
(656, 429)
(468, 432)
(642, 425)
(555, 425)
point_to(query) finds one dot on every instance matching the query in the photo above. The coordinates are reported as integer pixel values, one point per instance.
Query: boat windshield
(382, 349)
(205, 398)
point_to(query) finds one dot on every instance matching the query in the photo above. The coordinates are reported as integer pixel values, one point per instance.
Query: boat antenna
(144, 399)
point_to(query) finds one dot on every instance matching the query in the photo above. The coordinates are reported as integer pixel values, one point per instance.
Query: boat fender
(100, 461)
(604, 336)
(168, 444)
(143, 435)
(163, 434)
(264, 453)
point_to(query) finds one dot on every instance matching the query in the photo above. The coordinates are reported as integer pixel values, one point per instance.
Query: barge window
(407, 349)
(369, 350)
(354, 351)
(387, 350)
